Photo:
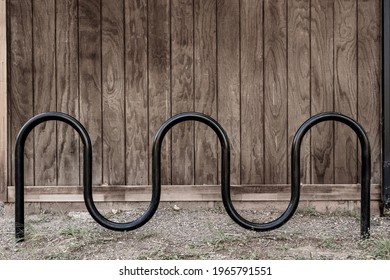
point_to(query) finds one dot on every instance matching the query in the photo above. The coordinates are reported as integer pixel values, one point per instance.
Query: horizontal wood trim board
(340, 192)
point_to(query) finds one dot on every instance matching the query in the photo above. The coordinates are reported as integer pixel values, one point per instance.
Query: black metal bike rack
(225, 171)
(365, 159)
(19, 161)
(87, 178)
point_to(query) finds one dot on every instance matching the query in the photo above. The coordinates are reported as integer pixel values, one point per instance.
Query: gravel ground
(175, 233)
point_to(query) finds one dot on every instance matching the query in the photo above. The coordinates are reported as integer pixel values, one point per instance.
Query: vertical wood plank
(68, 159)
(369, 67)
(3, 103)
(45, 135)
(113, 93)
(21, 81)
(322, 145)
(345, 89)
(299, 79)
(275, 79)
(205, 48)
(160, 79)
(136, 92)
(90, 87)
(252, 95)
(182, 31)
(228, 44)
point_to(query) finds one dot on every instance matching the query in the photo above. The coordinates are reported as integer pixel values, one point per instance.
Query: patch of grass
(38, 219)
(308, 210)
(31, 233)
(67, 251)
(311, 257)
(222, 240)
(286, 247)
(329, 243)
(285, 236)
(354, 213)
(74, 231)
(76, 246)
(382, 249)
(250, 256)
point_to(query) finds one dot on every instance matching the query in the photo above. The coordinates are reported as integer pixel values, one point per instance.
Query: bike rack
(225, 171)
(365, 159)
(87, 178)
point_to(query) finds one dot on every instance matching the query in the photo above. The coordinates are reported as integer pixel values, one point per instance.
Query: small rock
(176, 208)
(114, 211)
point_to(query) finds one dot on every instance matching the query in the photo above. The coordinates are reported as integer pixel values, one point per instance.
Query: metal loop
(365, 161)
(87, 181)
(225, 171)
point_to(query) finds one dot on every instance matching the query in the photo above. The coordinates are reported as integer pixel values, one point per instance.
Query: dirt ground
(177, 232)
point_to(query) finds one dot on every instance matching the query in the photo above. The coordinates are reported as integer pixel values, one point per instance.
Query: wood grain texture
(187, 193)
(229, 95)
(3, 103)
(182, 35)
(45, 98)
(260, 67)
(68, 158)
(345, 82)
(275, 79)
(252, 94)
(113, 111)
(90, 80)
(160, 79)
(136, 92)
(205, 48)
(21, 81)
(299, 80)
(322, 89)
(369, 75)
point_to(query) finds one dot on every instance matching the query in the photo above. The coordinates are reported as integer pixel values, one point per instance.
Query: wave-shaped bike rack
(365, 161)
(87, 178)
(225, 171)
(295, 166)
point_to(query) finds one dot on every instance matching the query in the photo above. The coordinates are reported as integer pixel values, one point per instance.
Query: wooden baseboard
(201, 193)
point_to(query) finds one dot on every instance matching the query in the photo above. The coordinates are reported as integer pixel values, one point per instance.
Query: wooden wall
(260, 67)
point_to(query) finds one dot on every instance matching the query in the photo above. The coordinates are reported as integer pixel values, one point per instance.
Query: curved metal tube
(365, 159)
(225, 170)
(295, 166)
(87, 180)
